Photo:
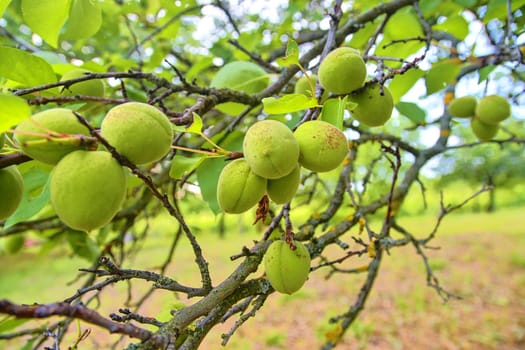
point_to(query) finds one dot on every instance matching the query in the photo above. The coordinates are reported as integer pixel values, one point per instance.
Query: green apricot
(270, 149)
(463, 107)
(87, 189)
(322, 146)
(242, 76)
(483, 131)
(493, 109)
(239, 189)
(11, 190)
(2, 141)
(373, 109)
(302, 86)
(44, 136)
(12, 244)
(283, 189)
(138, 131)
(342, 71)
(287, 269)
(93, 87)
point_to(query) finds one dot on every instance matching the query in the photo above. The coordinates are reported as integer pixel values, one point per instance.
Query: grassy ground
(480, 258)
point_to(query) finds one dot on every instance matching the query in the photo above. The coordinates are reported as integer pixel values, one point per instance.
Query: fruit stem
(310, 82)
(219, 148)
(66, 139)
(288, 233)
(200, 151)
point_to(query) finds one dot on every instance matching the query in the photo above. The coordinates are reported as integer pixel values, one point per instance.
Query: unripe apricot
(287, 269)
(12, 243)
(242, 76)
(302, 86)
(374, 108)
(463, 107)
(483, 131)
(87, 189)
(342, 71)
(283, 189)
(45, 136)
(493, 109)
(239, 189)
(138, 131)
(93, 87)
(322, 146)
(11, 190)
(270, 149)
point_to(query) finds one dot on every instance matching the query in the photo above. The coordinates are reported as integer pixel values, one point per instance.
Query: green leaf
(361, 37)
(46, 18)
(3, 6)
(292, 49)
(467, 3)
(456, 25)
(82, 245)
(181, 165)
(498, 8)
(412, 111)
(403, 24)
(210, 169)
(8, 323)
(208, 177)
(429, 6)
(333, 111)
(196, 126)
(485, 72)
(288, 103)
(440, 75)
(25, 68)
(400, 49)
(35, 181)
(53, 58)
(401, 84)
(198, 66)
(138, 95)
(178, 128)
(292, 54)
(13, 110)
(85, 19)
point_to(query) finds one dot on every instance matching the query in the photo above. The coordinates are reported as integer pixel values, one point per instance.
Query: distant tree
(168, 55)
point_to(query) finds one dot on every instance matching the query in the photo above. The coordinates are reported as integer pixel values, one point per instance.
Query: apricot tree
(119, 113)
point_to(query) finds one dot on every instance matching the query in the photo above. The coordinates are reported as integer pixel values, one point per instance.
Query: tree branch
(77, 311)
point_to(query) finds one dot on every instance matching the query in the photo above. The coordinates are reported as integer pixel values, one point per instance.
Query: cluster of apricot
(343, 72)
(485, 115)
(54, 123)
(273, 156)
(87, 185)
